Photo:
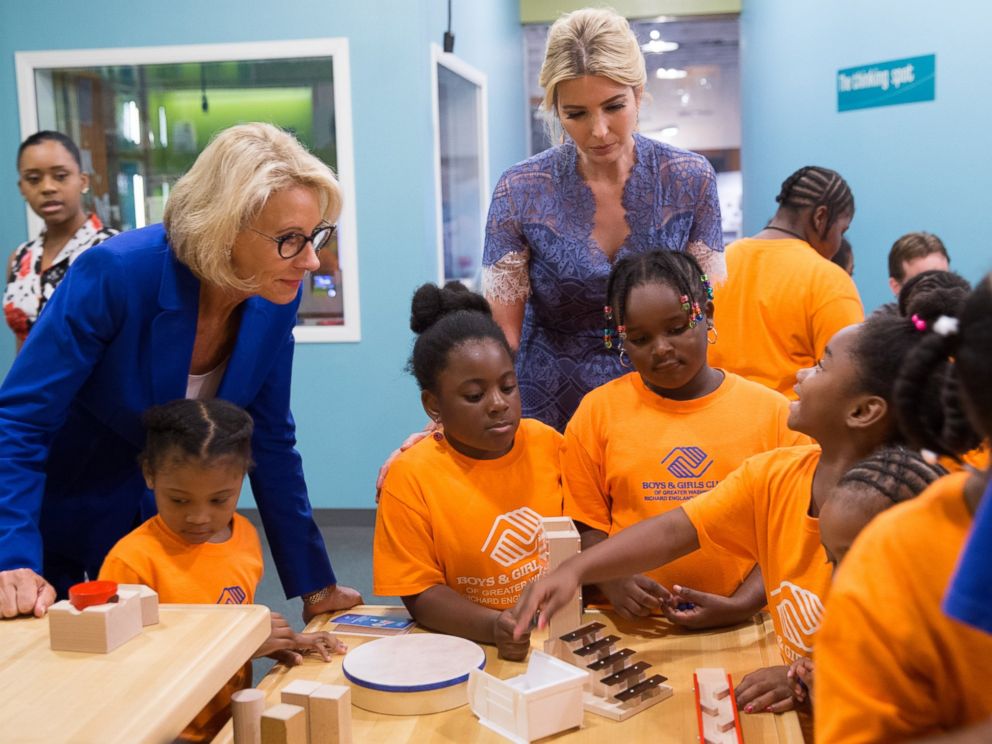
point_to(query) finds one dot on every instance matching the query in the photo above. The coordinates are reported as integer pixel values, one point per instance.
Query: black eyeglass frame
(312, 239)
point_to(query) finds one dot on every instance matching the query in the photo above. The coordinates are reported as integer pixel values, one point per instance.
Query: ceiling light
(658, 46)
(670, 73)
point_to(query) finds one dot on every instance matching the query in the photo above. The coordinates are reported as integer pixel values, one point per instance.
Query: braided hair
(894, 473)
(812, 186)
(680, 271)
(202, 430)
(955, 362)
(931, 294)
(443, 318)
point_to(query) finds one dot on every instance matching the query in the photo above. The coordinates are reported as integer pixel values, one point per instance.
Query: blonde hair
(228, 186)
(592, 41)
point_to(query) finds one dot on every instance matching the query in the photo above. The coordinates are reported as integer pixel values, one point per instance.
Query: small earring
(711, 330)
(86, 190)
(439, 430)
(624, 359)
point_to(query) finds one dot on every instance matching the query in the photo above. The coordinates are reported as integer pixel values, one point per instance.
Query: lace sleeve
(507, 281)
(713, 263)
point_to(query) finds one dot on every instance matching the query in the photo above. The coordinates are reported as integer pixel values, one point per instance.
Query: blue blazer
(117, 337)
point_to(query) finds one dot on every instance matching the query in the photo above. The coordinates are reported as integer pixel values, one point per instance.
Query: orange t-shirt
(474, 525)
(782, 302)
(181, 573)
(890, 665)
(630, 454)
(761, 512)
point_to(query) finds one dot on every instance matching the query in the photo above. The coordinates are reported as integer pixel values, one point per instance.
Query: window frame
(459, 67)
(27, 64)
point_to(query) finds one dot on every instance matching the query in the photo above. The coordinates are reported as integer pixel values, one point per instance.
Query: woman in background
(52, 182)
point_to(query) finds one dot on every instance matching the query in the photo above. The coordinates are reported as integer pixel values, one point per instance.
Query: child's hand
(283, 642)
(320, 642)
(691, 608)
(765, 691)
(509, 647)
(635, 596)
(801, 676)
(547, 596)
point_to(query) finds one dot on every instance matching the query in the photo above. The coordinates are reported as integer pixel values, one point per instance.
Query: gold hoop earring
(711, 340)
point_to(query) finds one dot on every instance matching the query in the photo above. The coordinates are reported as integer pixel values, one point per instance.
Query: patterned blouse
(539, 248)
(29, 288)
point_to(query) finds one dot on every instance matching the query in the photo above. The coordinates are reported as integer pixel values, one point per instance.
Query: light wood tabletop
(144, 691)
(673, 652)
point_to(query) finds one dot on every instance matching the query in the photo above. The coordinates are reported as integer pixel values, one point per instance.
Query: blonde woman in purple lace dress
(559, 220)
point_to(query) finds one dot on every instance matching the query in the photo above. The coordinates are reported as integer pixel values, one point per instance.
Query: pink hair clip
(919, 323)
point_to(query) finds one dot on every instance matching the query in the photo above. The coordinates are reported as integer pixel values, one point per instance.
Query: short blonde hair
(592, 41)
(227, 187)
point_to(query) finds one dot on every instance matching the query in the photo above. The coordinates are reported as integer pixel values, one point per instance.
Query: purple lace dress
(539, 248)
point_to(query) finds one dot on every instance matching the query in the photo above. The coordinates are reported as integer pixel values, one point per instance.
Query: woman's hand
(23, 592)
(766, 691)
(284, 643)
(801, 676)
(411, 440)
(510, 647)
(635, 596)
(337, 598)
(546, 595)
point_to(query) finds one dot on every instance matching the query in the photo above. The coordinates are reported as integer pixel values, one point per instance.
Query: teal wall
(353, 402)
(921, 166)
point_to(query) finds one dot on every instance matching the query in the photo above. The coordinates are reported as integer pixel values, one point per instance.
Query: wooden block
(149, 602)
(622, 710)
(563, 542)
(611, 664)
(247, 707)
(284, 724)
(330, 715)
(98, 629)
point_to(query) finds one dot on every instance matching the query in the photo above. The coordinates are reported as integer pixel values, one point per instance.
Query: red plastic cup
(90, 593)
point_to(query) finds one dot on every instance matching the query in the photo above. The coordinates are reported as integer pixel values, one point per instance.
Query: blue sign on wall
(909, 80)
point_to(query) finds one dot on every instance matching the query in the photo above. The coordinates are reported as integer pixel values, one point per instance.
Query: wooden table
(673, 652)
(144, 691)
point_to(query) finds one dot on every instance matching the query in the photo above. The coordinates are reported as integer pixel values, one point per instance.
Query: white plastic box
(544, 700)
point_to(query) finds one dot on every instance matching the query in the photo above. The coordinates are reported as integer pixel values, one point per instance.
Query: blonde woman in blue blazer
(203, 305)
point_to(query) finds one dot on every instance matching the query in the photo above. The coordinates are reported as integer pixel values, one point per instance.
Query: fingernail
(748, 708)
(768, 709)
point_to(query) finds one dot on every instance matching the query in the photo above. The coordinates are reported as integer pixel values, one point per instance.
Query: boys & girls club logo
(687, 462)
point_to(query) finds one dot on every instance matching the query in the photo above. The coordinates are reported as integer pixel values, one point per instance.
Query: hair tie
(929, 457)
(919, 323)
(946, 326)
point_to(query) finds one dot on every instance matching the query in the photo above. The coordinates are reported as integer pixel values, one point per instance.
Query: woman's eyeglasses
(292, 244)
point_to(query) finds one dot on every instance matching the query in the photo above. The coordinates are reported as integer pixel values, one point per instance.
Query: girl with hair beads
(460, 515)
(642, 444)
(782, 301)
(889, 476)
(198, 550)
(767, 510)
(890, 664)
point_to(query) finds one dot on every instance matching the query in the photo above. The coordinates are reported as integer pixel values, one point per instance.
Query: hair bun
(431, 303)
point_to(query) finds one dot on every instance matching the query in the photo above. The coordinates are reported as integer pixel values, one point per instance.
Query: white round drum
(412, 675)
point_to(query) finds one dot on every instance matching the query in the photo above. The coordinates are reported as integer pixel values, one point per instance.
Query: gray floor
(348, 536)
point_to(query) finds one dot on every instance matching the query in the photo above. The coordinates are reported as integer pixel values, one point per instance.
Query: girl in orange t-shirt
(768, 508)
(459, 519)
(198, 549)
(888, 476)
(647, 442)
(891, 665)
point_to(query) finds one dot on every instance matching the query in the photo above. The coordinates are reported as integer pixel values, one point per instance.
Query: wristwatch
(318, 596)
